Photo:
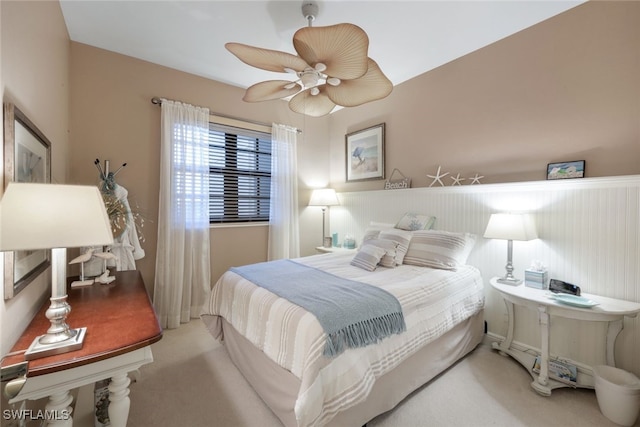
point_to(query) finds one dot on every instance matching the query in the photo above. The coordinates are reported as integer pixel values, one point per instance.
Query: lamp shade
(509, 226)
(324, 197)
(46, 216)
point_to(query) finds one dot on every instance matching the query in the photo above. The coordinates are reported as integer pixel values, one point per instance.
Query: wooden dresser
(121, 325)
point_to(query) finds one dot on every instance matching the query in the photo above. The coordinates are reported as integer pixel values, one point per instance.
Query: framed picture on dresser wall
(364, 151)
(27, 158)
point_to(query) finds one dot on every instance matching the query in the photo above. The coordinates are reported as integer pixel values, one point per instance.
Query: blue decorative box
(536, 279)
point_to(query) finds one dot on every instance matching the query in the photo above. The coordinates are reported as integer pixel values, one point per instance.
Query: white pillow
(439, 249)
(368, 257)
(401, 237)
(390, 248)
(411, 221)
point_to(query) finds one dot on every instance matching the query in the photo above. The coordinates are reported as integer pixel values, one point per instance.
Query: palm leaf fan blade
(266, 59)
(372, 86)
(312, 105)
(270, 90)
(343, 48)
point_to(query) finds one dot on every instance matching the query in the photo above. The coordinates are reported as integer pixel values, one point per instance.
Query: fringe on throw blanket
(363, 333)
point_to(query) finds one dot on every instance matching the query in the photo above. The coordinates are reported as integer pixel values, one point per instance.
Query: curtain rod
(158, 101)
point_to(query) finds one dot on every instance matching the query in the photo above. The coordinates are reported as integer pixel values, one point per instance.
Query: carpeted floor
(193, 383)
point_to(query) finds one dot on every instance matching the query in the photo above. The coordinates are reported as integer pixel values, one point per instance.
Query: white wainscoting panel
(589, 233)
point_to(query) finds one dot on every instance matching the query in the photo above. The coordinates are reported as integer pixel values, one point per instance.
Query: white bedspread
(433, 301)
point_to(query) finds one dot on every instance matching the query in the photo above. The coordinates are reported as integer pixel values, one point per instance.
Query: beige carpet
(193, 383)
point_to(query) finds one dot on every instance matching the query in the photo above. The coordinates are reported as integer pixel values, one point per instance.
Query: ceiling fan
(332, 68)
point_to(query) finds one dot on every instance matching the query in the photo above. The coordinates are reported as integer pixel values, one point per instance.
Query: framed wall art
(27, 158)
(566, 170)
(365, 154)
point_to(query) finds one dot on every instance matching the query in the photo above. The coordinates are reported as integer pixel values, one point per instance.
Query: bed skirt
(278, 388)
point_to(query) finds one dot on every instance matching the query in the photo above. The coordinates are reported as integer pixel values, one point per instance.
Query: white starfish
(476, 179)
(437, 176)
(456, 179)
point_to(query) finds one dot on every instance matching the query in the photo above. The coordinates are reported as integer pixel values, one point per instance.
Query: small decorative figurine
(81, 260)
(457, 180)
(476, 179)
(104, 278)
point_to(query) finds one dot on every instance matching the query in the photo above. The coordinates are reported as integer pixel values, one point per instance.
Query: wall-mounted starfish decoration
(457, 180)
(476, 179)
(437, 176)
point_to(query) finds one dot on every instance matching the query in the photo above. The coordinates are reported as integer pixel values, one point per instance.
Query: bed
(280, 347)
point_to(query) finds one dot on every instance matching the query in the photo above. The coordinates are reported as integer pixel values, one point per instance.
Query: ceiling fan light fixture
(320, 67)
(309, 78)
(332, 66)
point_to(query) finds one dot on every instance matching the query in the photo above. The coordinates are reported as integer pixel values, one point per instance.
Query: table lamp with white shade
(325, 198)
(56, 217)
(510, 227)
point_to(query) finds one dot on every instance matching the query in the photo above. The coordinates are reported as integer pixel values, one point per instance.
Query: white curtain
(284, 240)
(183, 273)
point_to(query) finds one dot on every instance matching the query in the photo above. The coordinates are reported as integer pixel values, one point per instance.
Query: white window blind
(240, 174)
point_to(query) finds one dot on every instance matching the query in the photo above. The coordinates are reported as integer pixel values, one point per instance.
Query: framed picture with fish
(365, 154)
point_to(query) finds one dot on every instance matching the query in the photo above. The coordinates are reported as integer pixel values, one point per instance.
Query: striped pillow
(390, 251)
(439, 249)
(402, 238)
(374, 229)
(368, 257)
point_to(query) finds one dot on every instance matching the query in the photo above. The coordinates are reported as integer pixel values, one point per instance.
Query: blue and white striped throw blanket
(352, 314)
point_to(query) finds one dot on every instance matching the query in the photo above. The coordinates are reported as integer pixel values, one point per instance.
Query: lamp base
(37, 350)
(509, 281)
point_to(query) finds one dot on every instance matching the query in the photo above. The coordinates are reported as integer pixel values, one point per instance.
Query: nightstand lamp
(510, 227)
(56, 217)
(325, 197)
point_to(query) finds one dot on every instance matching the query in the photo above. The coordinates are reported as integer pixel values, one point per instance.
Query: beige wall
(112, 118)
(565, 89)
(35, 77)
(562, 90)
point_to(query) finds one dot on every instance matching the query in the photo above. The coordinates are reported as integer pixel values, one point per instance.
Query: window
(190, 175)
(240, 174)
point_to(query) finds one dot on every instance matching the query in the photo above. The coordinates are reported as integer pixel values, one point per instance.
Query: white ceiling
(406, 38)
